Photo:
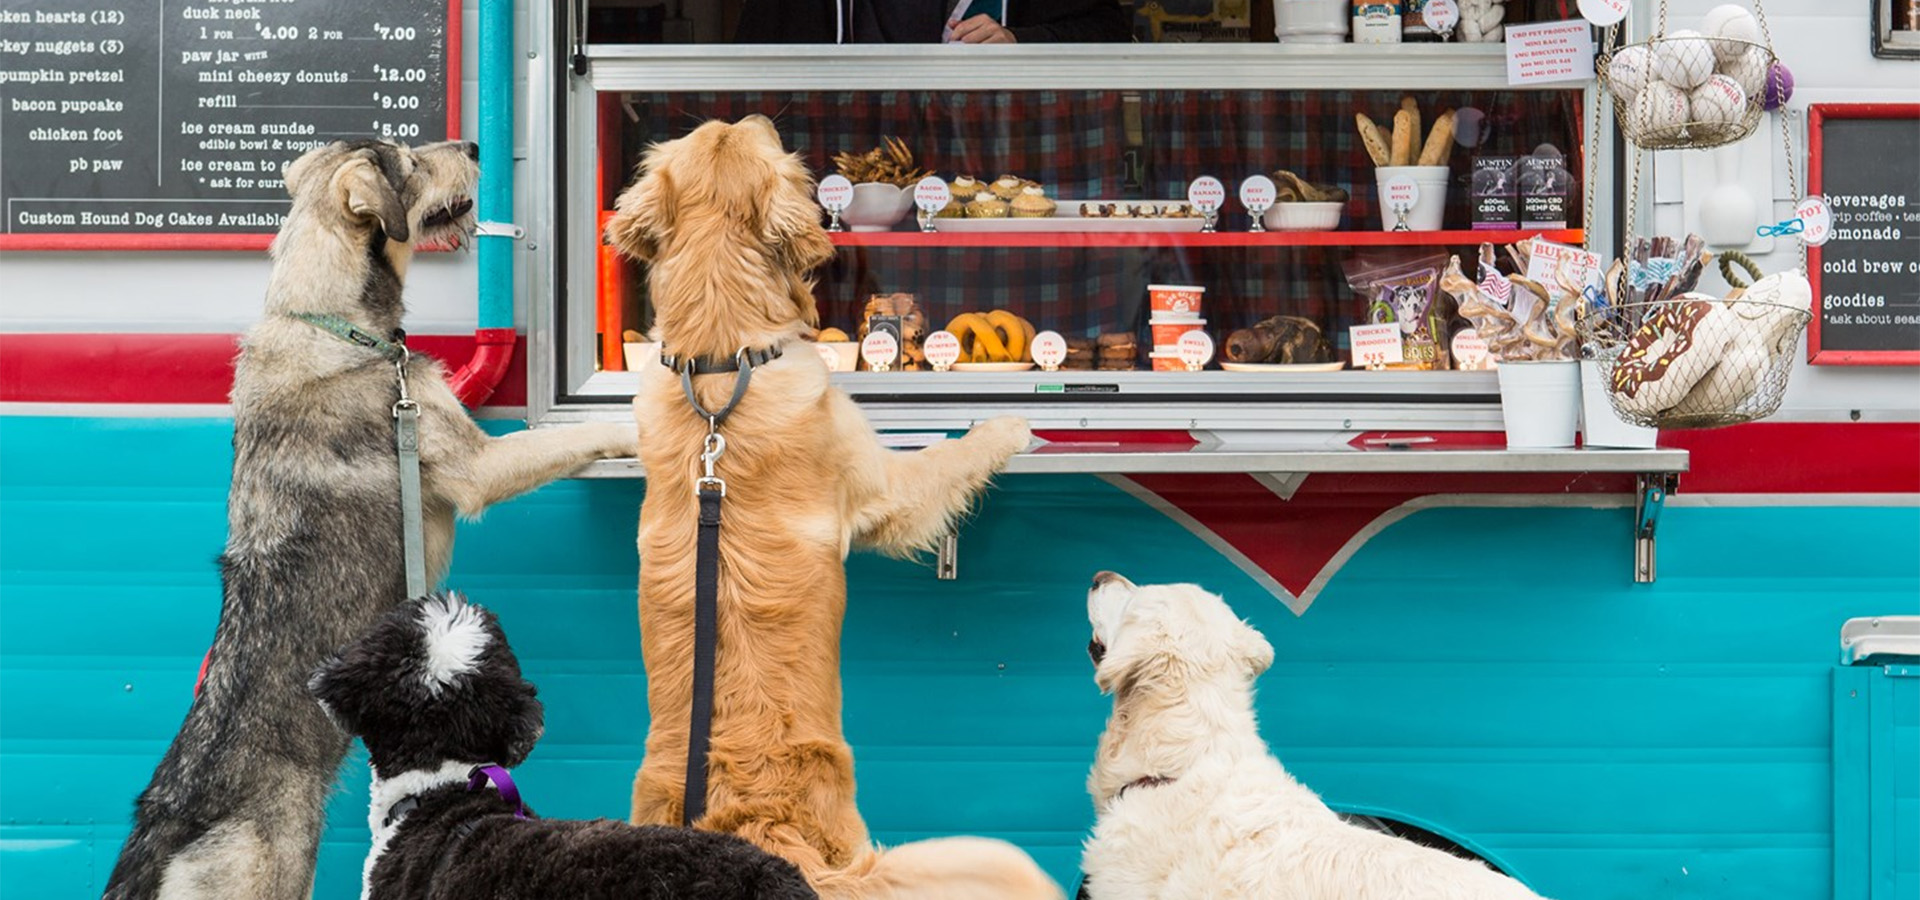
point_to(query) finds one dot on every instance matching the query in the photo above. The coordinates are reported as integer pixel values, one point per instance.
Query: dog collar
(394, 348)
(1143, 782)
(706, 365)
(502, 782)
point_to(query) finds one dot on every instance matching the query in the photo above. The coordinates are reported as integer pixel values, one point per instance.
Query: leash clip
(400, 376)
(715, 447)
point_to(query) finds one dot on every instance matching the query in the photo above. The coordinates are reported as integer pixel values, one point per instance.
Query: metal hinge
(1650, 499)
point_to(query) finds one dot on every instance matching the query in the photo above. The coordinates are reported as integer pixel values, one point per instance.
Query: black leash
(711, 489)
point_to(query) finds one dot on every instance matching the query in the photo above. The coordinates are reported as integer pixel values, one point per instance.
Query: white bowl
(876, 207)
(1303, 216)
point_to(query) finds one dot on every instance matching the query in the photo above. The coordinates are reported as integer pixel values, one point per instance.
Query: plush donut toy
(1670, 353)
(1765, 323)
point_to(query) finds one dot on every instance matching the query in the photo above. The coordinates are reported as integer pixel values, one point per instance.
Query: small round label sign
(1442, 15)
(1207, 194)
(1049, 350)
(1470, 351)
(1402, 193)
(942, 350)
(835, 192)
(829, 355)
(1816, 220)
(932, 194)
(880, 349)
(1257, 192)
(1196, 349)
(1604, 12)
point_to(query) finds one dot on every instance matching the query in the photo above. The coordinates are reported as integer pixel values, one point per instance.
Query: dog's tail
(956, 868)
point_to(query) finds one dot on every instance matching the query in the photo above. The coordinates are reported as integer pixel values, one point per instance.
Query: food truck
(1680, 666)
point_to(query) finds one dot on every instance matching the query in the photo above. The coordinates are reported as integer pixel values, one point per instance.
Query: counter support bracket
(947, 564)
(1650, 498)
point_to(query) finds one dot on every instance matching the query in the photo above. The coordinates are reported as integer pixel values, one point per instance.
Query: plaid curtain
(1110, 145)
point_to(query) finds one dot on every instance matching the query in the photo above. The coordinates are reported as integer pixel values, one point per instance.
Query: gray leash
(406, 435)
(406, 440)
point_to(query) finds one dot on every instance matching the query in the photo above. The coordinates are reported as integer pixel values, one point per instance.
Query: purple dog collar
(502, 782)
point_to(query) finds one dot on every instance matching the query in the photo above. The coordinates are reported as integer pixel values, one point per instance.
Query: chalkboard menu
(165, 123)
(1865, 160)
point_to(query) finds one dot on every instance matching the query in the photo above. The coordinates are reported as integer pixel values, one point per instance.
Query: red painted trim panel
(177, 368)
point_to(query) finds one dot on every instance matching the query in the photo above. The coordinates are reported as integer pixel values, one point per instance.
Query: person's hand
(981, 29)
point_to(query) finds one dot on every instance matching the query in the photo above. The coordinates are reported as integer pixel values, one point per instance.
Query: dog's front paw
(614, 440)
(1005, 436)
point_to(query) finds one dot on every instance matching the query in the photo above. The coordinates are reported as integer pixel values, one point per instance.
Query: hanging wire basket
(1693, 361)
(1682, 91)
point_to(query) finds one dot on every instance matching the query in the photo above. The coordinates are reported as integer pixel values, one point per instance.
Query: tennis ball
(1720, 100)
(1731, 21)
(1659, 108)
(1779, 87)
(1628, 71)
(1750, 70)
(1683, 59)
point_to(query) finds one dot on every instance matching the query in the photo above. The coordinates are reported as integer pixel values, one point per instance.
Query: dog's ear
(528, 723)
(1250, 649)
(364, 191)
(792, 224)
(643, 213)
(328, 688)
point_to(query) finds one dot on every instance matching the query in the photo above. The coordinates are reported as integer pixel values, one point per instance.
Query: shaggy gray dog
(314, 555)
(437, 696)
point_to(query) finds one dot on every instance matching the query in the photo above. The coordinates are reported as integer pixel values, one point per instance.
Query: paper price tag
(880, 350)
(1258, 192)
(1442, 15)
(1402, 192)
(1470, 351)
(1605, 12)
(1049, 350)
(942, 350)
(829, 355)
(1207, 194)
(1816, 220)
(1549, 263)
(1196, 350)
(835, 193)
(932, 194)
(1375, 344)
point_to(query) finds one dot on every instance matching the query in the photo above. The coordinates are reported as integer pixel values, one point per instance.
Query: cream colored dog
(1192, 806)
(726, 221)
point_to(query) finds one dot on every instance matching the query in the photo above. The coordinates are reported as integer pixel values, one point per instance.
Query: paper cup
(1599, 423)
(1540, 403)
(1168, 361)
(1428, 210)
(1166, 334)
(1174, 299)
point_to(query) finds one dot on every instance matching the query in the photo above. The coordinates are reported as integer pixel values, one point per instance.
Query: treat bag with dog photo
(1407, 293)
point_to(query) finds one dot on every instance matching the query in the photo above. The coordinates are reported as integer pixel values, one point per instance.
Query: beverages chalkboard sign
(165, 123)
(1865, 159)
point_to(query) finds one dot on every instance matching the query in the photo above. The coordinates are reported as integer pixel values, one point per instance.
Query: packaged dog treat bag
(1407, 293)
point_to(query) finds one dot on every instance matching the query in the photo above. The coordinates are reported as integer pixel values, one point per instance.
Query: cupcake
(964, 189)
(1007, 187)
(987, 206)
(1033, 204)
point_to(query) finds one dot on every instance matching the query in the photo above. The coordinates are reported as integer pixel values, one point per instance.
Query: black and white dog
(436, 694)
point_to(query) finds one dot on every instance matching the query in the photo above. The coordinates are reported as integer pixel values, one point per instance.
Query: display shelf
(1055, 239)
(708, 67)
(1143, 459)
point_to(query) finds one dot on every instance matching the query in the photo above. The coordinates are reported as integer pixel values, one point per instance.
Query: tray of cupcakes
(1014, 204)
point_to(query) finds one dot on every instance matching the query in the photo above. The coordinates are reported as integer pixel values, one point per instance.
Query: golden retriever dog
(1192, 805)
(726, 221)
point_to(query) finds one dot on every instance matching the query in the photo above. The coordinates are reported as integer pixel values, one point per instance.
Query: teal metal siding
(1490, 671)
(1876, 781)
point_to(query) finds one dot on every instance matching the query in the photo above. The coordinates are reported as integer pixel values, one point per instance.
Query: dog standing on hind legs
(725, 219)
(313, 555)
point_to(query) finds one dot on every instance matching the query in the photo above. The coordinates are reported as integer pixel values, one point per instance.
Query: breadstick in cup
(1407, 103)
(1402, 154)
(1370, 136)
(1439, 142)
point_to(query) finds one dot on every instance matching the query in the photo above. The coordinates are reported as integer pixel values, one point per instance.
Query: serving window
(1090, 132)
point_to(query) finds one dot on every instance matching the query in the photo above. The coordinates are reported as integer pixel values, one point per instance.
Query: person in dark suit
(932, 21)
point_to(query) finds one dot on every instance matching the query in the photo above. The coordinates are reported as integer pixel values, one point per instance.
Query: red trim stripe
(177, 368)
